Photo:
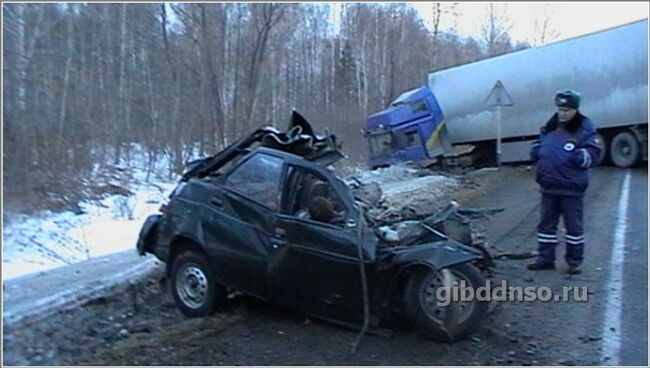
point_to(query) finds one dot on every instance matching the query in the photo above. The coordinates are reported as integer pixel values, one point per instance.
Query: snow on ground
(48, 240)
(40, 242)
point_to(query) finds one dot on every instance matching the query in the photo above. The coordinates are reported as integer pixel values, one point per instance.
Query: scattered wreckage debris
(452, 222)
(407, 223)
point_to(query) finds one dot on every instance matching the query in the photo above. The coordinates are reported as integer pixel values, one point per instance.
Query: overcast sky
(569, 19)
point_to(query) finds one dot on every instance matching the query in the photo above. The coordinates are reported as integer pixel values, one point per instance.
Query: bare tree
(265, 17)
(439, 10)
(495, 30)
(84, 82)
(543, 30)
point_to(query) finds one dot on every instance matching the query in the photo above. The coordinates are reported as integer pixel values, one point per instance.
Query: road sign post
(499, 135)
(498, 97)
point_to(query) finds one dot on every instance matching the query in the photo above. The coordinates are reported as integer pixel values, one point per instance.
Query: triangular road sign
(498, 96)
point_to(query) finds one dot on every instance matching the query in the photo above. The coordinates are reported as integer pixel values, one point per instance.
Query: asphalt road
(610, 328)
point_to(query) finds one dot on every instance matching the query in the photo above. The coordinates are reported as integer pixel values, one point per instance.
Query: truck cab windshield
(381, 144)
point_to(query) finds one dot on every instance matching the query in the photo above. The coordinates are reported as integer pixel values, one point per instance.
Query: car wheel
(193, 286)
(444, 323)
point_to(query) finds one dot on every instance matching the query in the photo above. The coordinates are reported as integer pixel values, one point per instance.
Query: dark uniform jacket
(564, 153)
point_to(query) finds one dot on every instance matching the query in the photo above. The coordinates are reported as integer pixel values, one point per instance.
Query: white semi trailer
(608, 68)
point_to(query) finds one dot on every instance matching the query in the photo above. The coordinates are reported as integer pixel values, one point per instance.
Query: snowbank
(109, 225)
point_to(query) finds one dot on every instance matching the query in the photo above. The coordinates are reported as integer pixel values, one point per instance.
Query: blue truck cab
(408, 130)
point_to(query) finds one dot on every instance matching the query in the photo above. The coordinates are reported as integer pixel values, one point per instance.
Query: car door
(314, 265)
(248, 200)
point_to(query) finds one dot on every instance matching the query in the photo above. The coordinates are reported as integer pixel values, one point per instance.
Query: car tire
(427, 317)
(193, 285)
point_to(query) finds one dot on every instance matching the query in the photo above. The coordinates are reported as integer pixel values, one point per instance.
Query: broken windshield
(380, 144)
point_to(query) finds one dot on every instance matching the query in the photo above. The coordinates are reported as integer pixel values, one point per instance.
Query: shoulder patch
(569, 146)
(596, 140)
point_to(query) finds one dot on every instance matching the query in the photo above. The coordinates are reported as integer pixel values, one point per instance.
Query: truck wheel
(193, 286)
(625, 150)
(432, 320)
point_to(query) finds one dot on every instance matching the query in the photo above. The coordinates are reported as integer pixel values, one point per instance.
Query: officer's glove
(584, 158)
(580, 158)
(534, 151)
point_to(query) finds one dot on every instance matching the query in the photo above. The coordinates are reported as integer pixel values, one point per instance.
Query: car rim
(430, 301)
(192, 286)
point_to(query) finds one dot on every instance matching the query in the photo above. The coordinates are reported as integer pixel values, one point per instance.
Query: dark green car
(246, 220)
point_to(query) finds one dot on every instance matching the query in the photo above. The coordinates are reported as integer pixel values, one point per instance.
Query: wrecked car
(268, 217)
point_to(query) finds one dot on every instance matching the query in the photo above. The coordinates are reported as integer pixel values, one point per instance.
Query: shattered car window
(258, 179)
(313, 198)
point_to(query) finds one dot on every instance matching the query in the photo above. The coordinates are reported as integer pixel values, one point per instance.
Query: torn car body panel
(438, 255)
(299, 139)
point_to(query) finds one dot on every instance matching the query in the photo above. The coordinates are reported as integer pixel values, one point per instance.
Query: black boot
(573, 270)
(538, 265)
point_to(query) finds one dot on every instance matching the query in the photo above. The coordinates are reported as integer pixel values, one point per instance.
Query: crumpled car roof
(299, 139)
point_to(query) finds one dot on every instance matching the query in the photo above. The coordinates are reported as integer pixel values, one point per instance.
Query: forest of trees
(82, 82)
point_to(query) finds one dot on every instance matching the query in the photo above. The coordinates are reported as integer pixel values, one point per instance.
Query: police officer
(568, 146)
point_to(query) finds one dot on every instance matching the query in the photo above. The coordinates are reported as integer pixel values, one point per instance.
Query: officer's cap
(568, 98)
